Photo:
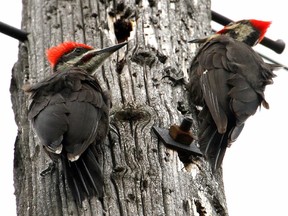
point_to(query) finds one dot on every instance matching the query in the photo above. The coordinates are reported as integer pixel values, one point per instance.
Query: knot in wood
(132, 114)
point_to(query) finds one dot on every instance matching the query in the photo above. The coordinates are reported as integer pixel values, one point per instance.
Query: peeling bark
(147, 83)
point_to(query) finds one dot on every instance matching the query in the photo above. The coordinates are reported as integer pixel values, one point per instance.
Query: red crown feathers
(55, 53)
(262, 26)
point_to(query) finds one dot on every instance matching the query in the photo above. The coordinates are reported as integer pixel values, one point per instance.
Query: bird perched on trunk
(69, 112)
(227, 79)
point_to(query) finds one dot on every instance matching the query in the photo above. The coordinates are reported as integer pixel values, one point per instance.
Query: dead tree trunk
(142, 176)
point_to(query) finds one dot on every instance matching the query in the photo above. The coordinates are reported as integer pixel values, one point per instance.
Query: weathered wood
(142, 176)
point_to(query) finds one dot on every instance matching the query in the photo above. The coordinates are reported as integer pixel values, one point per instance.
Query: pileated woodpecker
(70, 114)
(227, 79)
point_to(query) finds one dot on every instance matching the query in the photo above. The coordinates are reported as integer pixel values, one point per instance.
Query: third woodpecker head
(71, 54)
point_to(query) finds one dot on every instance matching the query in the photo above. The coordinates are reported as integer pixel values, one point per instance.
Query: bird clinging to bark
(70, 114)
(227, 78)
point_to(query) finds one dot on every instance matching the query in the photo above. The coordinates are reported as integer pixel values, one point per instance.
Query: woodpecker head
(249, 31)
(71, 54)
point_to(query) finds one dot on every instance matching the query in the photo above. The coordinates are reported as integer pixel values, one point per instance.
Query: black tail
(213, 144)
(84, 176)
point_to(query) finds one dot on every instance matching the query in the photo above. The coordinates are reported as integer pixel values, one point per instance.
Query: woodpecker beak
(93, 59)
(102, 54)
(198, 40)
(202, 40)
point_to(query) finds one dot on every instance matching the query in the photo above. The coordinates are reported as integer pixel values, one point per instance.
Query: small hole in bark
(94, 15)
(182, 107)
(131, 197)
(119, 169)
(132, 114)
(120, 7)
(200, 209)
(152, 3)
(145, 184)
(161, 57)
(120, 64)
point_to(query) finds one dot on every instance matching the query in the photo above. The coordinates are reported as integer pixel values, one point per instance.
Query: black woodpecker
(227, 79)
(69, 112)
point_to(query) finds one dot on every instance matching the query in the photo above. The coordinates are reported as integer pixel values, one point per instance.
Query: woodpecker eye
(233, 34)
(77, 50)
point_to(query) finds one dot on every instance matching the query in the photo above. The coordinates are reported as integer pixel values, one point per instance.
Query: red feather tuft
(262, 26)
(55, 53)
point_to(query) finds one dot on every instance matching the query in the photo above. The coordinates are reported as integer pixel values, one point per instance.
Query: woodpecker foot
(49, 169)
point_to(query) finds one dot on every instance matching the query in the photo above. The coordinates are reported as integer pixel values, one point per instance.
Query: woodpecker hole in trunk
(122, 29)
(123, 24)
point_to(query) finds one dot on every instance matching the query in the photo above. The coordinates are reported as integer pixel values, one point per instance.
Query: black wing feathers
(228, 79)
(69, 111)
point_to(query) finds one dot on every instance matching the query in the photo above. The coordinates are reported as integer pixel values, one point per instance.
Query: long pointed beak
(100, 55)
(198, 40)
(109, 50)
(93, 59)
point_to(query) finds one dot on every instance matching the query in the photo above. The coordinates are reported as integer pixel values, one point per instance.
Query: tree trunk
(142, 176)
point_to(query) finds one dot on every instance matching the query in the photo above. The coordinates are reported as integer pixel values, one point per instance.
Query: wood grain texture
(146, 80)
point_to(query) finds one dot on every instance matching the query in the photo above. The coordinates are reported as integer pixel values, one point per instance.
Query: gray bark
(142, 176)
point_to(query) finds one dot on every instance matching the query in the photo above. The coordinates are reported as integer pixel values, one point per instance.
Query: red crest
(262, 26)
(55, 53)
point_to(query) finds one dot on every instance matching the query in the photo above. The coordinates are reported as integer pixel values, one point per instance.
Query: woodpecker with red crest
(227, 79)
(69, 112)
